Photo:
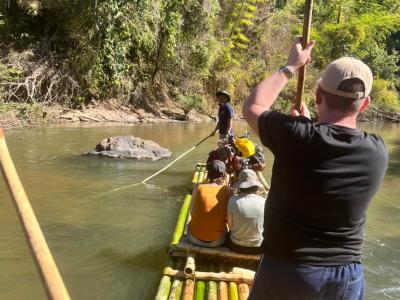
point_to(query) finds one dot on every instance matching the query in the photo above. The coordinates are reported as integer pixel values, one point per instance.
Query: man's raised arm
(264, 94)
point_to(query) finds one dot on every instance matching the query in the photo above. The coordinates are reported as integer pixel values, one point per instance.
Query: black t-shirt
(323, 178)
(225, 113)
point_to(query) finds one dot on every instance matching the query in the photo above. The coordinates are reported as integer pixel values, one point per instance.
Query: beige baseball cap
(342, 69)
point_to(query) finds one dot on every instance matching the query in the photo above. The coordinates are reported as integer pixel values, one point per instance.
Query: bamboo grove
(143, 52)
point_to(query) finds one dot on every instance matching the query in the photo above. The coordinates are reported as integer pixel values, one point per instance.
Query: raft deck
(204, 273)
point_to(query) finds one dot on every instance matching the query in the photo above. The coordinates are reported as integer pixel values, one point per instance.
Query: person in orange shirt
(208, 211)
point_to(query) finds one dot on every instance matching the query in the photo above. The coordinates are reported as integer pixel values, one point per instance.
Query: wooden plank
(217, 253)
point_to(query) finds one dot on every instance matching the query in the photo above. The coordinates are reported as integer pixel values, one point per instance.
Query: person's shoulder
(377, 142)
(233, 201)
(228, 106)
(278, 116)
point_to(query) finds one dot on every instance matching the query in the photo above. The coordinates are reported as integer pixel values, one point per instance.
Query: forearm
(262, 97)
(266, 92)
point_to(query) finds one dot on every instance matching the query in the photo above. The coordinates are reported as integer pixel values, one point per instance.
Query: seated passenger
(207, 227)
(246, 215)
(257, 161)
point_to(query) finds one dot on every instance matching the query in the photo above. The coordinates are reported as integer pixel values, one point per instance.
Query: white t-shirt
(246, 212)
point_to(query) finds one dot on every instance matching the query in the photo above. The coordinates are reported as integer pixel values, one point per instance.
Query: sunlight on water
(112, 245)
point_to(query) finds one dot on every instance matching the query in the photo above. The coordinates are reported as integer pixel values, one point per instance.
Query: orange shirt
(208, 214)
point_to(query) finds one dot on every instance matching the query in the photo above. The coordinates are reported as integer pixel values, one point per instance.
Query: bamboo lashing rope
(51, 278)
(304, 41)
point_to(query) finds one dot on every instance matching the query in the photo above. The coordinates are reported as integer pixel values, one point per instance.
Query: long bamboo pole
(305, 40)
(175, 160)
(51, 278)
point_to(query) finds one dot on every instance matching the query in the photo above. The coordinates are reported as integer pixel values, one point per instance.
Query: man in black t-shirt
(323, 178)
(225, 115)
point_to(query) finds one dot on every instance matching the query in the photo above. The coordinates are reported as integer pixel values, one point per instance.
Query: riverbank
(33, 115)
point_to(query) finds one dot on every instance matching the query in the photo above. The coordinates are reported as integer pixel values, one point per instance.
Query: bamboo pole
(233, 291)
(176, 290)
(190, 266)
(238, 270)
(181, 223)
(212, 286)
(195, 178)
(51, 278)
(305, 40)
(176, 159)
(235, 277)
(201, 176)
(243, 291)
(188, 289)
(223, 291)
(164, 287)
(200, 288)
(212, 290)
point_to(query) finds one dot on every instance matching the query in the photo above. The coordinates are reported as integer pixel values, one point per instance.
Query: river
(112, 245)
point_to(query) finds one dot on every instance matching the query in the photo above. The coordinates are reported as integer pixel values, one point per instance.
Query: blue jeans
(281, 280)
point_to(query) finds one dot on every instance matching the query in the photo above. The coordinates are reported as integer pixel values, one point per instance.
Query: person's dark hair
(227, 99)
(252, 189)
(343, 104)
(216, 169)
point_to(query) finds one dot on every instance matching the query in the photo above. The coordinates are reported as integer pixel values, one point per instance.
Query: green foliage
(384, 95)
(9, 73)
(148, 51)
(190, 102)
(32, 113)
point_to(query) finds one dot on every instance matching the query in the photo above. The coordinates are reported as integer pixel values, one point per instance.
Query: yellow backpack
(245, 147)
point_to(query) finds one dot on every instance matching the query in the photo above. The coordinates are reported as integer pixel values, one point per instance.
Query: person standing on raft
(324, 176)
(225, 115)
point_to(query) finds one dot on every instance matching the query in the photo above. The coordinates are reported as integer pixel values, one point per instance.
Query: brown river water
(112, 246)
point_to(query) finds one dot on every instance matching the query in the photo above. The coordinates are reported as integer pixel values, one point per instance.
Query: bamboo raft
(204, 273)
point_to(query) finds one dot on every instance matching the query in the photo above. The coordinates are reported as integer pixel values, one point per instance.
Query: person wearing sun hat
(246, 215)
(225, 115)
(324, 176)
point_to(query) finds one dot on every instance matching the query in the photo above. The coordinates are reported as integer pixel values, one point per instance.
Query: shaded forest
(147, 53)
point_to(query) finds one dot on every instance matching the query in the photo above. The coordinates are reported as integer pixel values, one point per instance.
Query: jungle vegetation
(145, 53)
